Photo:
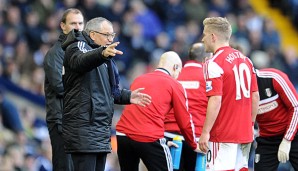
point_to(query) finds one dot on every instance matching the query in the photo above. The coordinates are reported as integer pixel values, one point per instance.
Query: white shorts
(227, 156)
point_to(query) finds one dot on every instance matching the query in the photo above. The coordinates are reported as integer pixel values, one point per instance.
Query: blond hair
(220, 26)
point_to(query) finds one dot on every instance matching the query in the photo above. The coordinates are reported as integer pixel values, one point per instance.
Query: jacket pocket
(91, 119)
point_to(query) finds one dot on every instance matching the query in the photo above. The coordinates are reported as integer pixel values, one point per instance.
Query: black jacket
(53, 86)
(88, 103)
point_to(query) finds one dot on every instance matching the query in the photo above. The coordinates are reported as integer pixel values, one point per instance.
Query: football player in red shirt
(192, 79)
(233, 97)
(277, 119)
(140, 130)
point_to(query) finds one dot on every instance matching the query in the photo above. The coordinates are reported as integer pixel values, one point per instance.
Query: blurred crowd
(24, 139)
(145, 29)
(288, 8)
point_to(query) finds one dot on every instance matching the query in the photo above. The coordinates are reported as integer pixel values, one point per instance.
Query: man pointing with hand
(91, 83)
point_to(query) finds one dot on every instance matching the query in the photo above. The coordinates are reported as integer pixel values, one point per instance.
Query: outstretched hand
(140, 98)
(111, 50)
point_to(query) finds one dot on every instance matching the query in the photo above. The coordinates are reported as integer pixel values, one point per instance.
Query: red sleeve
(182, 116)
(214, 87)
(214, 82)
(287, 93)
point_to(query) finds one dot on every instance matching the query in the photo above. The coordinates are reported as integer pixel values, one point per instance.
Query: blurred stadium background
(265, 30)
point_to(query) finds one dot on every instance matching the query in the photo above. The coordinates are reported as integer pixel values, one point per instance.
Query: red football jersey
(278, 106)
(231, 75)
(146, 124)
(193, 81)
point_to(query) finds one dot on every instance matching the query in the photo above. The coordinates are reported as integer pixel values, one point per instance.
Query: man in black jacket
(53, 87)
(91, 81)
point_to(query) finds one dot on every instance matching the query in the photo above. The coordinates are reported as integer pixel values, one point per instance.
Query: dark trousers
(89, 161)
(61, 161)
(188, 157)
(155, 155)
(266, 153)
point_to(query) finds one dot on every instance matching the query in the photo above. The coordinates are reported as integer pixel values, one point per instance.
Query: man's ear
(175, 67)
(62, 26)
(91, 35)
(213, 36)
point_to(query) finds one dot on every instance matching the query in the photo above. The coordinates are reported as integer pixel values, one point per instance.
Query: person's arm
(254, 110)
(255, 105)
(255, 96)
(53, 63)
(287, 92)
(123, 98)
(214, 90)
(139, 98)
(182, 116)
(214, 104)
(82, 60)
(133, 97)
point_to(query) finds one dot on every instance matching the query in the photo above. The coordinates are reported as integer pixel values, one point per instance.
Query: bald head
(171, 62)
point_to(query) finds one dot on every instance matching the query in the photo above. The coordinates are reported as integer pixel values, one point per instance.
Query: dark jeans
(89, 161)
(61, 161)
(266, 153)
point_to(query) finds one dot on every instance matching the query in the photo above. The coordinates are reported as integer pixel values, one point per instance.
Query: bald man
(192, 79)
(140, 130)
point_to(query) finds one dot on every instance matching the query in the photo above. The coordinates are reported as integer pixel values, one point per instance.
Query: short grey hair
(95, 24)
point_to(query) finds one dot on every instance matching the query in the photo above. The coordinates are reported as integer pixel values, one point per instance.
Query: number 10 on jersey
(240, 75)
